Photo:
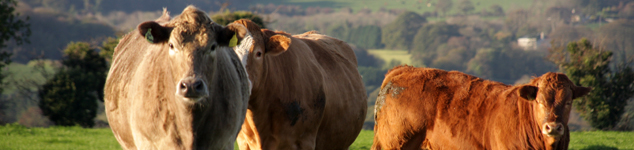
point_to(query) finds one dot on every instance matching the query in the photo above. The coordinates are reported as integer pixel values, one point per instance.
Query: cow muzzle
(552, 129)
(191, 89)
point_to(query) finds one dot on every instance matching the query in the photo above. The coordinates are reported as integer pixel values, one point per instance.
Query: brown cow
(174, 84)
(423, 108)
(307, 92)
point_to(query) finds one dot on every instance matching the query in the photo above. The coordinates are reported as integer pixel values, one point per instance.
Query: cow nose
(553, 129)
(192, 89)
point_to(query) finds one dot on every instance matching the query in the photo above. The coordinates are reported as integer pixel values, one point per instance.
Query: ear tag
(148, 35)
(234, 41)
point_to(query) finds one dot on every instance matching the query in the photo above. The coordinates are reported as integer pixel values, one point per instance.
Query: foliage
(588, 66)
(107, 48)
(32, 117)
(496, 10)
(365, 36)
(11, 26)
(465, 6)
(69, 98)
(22, 83)
(389, 55)
(507, 65)
(618, 36)
(364, 58)
(428, 39)
(398, 34)
(228, 17)
(53, 31)
(517, 20)
(444, 6)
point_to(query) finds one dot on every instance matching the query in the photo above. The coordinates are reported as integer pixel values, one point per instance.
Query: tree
(70, 97)
(229, 17)
(398, 34)
(427, 40)
(444, 6)
(588, 66)
(466, 6)
(11, 27)
(506, 65)
(618, 36)
(107, 48)
(496, 10)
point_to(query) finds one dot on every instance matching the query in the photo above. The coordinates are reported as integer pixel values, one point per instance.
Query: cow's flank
(307, 92)
(424, 108)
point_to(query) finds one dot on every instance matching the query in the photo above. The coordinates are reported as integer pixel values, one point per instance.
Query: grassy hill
(419, 6)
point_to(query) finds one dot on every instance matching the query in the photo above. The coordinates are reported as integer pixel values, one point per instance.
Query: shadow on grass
(599, 147)
(51, 141)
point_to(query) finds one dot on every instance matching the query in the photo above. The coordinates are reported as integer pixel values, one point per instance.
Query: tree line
(481, 47)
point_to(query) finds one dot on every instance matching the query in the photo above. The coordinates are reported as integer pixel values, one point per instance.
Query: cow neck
(152, 70)
(213, 113)
(290, 72)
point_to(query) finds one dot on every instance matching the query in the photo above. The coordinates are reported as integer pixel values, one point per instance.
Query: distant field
(388, 55)
(419, 6)
(19, 137)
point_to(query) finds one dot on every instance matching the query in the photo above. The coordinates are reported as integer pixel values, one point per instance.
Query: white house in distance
(530, 42)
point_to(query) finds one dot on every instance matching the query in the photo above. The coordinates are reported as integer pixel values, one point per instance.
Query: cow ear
(580, 91)
(277, 44)
(225, 34)
(153, 32)
(528, 92)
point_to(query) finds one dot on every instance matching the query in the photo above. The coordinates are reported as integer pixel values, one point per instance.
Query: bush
(398, 34)
(70, 97)
(229, 17)
(588, 66)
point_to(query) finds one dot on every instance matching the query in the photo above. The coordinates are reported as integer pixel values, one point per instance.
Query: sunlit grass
(387, 55)
(20, 137)
(63, 138)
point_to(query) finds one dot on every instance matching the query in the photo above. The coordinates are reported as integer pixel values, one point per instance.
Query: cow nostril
(198, 85)
(183, 86)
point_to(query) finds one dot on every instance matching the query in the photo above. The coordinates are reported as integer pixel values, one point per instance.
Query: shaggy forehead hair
(550, 82)
(191, 27)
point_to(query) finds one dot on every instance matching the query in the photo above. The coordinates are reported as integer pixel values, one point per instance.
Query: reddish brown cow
(174, 84)
(307, 92)
(423, 108)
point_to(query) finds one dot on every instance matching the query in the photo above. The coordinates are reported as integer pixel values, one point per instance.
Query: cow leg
(376, 144)
(416, 142)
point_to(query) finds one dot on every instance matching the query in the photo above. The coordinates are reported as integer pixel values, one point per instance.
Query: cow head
(255, 45)
(191, 40)
(551, 96)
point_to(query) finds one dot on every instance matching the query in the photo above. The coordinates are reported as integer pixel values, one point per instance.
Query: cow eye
(213, 47)
(171, 45)
(258, 54)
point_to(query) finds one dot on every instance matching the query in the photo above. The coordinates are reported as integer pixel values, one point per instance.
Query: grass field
(53, 138)
(20, 137)
(388, 55)
(419, 6)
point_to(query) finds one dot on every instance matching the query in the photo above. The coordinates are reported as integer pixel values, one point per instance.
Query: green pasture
(419, 6)
(387, 55)
(19, 137)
